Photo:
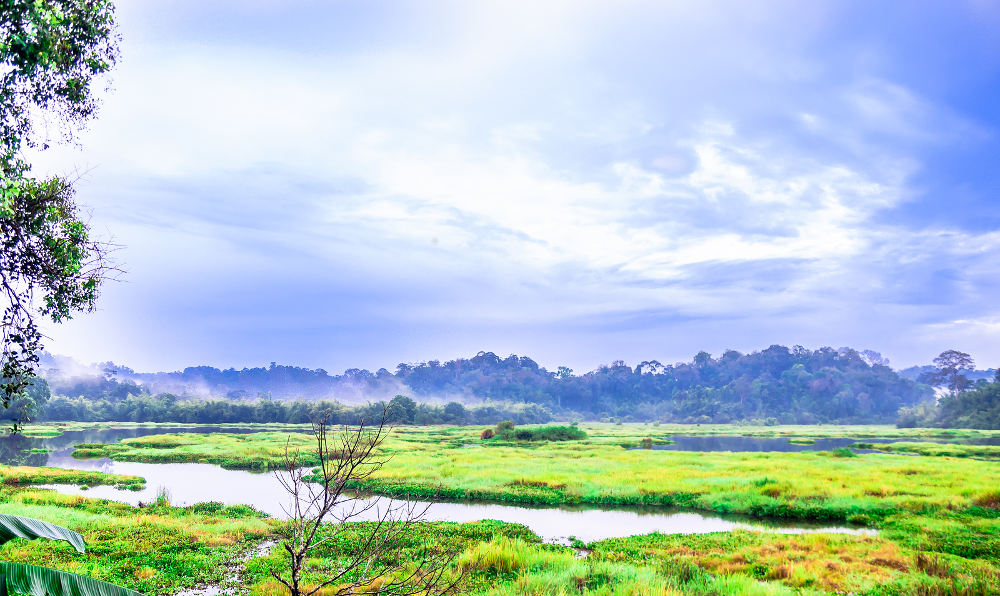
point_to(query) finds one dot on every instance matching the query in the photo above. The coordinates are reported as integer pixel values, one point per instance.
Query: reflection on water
(16, 450)
(188, 484)
(13, 445)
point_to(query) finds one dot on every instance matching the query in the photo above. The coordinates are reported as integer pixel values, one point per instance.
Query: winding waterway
(190, 483)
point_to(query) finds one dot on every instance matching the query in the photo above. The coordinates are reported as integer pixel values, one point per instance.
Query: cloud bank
(358, 185)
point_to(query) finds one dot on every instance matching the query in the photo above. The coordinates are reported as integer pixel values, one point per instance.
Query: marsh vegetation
(934, 518)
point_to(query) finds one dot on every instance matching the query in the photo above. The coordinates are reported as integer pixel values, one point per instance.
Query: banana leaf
(28, 580)
(15, 526)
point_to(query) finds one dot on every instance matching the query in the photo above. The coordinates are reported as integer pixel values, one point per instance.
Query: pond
(190, 483)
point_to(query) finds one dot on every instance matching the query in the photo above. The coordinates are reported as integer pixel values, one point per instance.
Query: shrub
(505, 425)
(543, 433)
(162, 497)
(487, 434)
(990, 500)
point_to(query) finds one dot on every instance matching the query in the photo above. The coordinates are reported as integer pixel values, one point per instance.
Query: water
(15, 449)
(190, 483)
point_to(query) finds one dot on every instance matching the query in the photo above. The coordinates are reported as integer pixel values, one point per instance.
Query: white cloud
(526, 163)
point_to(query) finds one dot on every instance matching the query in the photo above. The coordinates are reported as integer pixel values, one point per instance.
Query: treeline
(794, 385)
(978, 407)
(285, 382)
(166, 407)
(790, 385)
(972, 400)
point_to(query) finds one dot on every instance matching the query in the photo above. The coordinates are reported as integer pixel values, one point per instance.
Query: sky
(358, 184)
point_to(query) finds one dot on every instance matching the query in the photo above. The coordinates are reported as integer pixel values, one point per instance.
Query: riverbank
(937, 516)
(455, 463)
(28, 475)
(161, 550)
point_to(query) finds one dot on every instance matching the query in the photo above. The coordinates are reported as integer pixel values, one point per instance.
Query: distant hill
(779, 384)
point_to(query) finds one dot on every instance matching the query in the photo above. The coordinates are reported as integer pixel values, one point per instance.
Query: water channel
(189, 483)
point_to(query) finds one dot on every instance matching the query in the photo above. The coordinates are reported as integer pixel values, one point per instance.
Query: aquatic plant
(29, 580)
(162, 497)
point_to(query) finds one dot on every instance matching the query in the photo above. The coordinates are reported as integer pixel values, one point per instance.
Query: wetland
(714, 510)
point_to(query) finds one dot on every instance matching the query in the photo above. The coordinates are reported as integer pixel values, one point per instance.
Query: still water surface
(188, 484)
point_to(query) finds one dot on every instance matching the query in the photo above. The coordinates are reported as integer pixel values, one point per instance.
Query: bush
(487, 434)
(990, 500)
(544, 433)
(505, 425)
(162, 497)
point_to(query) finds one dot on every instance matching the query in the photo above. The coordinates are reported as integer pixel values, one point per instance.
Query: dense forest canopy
(779, 384)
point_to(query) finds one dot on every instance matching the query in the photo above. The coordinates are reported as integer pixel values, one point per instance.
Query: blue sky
(340, 184)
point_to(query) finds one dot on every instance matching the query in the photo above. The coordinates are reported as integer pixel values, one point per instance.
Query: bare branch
(322, 506)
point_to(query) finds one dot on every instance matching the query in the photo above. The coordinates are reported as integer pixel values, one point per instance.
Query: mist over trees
(166, 407)
(778, 384)
(972, 401)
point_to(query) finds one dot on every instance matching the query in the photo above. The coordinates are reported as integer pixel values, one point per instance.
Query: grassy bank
(27, 475)
(455, 463)
(922, 548)
(935, 449)
(811, 563)
(938, 515)
(160, 550)
(155, 550)
(258, 451)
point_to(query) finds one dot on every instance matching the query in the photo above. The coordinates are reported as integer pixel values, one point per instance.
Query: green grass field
(937, 514)
(26, 475)
(456, 463)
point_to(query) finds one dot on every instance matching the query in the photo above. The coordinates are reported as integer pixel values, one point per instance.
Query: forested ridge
(777, 384)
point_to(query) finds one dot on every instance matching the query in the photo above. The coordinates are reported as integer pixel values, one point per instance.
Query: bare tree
(322, 504)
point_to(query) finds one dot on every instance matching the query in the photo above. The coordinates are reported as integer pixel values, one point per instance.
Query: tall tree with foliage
(951, 367)
(51, 54)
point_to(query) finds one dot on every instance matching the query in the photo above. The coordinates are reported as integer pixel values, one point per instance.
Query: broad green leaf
(15, 526)
(28, 580)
